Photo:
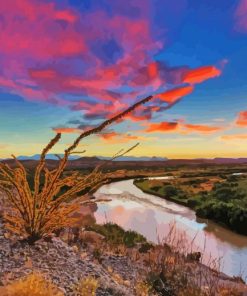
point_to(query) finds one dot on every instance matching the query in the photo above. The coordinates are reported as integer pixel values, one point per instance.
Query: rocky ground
(64, 265)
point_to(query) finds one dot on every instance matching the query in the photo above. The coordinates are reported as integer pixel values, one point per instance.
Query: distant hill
(74, 157)
(135, 158)
(198, 161)
(48, 156)
(130, 162)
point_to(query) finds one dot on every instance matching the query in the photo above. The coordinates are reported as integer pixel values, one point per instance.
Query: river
(153, 217)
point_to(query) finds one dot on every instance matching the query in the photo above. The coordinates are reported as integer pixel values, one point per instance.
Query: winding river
(153, 217)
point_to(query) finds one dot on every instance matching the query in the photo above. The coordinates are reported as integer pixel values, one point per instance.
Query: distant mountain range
(131, 162)
(135, 158)
(73, 157)
(48, 156)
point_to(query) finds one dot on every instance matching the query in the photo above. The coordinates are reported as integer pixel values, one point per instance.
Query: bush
(233, 216)
(193, 202)
(34, 284)
(116, 235)
(86, 287)
(145, 247)
(155, 188)
(142, 289)
(170, 191)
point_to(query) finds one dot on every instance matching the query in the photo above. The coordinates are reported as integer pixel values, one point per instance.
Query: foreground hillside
(105, 260)
(87, 259)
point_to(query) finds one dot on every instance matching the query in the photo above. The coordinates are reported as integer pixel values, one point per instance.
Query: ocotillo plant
(39, 212)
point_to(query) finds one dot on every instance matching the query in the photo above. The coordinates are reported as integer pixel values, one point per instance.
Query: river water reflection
(152, 216)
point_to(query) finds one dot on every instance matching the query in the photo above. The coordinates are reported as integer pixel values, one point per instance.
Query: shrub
(170, 191)
(142, 289)
(97, 254)
(131, 238)
(43, 209)
(194, 202)
(145, 247)
(34, 284)
(116, 235)
(155, 188)
(86, 287)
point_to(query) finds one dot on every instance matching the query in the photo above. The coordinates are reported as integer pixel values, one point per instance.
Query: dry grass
(86, 287)
(39, 211)
(174, 261)
(32, 285)
(176, 264)
(142, 289)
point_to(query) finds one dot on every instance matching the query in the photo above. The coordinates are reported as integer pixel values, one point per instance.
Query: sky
(67, 65)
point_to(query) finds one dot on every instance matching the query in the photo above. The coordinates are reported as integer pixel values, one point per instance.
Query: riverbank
(131, 208)
(109, 260)
(223, 201)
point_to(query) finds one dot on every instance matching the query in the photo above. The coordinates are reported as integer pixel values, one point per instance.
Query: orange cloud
(113, 137)
(200, 74)
(66, 130)
(234, 137)
(109, 136)
(202, 128)
(173, 95)
(242, 119)
(180, 127)
(162, 127)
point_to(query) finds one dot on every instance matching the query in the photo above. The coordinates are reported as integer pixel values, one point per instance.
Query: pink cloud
(49, 53)
(65, 15)
(241, 16)
(29, 29)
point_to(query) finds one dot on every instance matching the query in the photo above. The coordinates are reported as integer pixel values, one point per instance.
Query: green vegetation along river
(153, 216)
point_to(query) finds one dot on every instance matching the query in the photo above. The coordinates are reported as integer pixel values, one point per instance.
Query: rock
(92, 237)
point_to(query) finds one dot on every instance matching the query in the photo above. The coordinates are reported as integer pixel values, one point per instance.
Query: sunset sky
(67, 65)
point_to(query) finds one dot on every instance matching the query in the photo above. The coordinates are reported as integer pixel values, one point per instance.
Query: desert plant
(33, 284)
(41, 210)
(142, 289)
(86, 287)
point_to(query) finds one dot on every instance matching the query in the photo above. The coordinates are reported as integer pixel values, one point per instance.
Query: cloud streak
(181, 127)
(241, 120)
(199, 75)
(234, 137)
(204, 129)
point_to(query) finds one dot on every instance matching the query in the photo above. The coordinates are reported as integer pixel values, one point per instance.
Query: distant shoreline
(199, 213)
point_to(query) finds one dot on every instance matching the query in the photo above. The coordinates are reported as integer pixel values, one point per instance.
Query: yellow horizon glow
(171, 148)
